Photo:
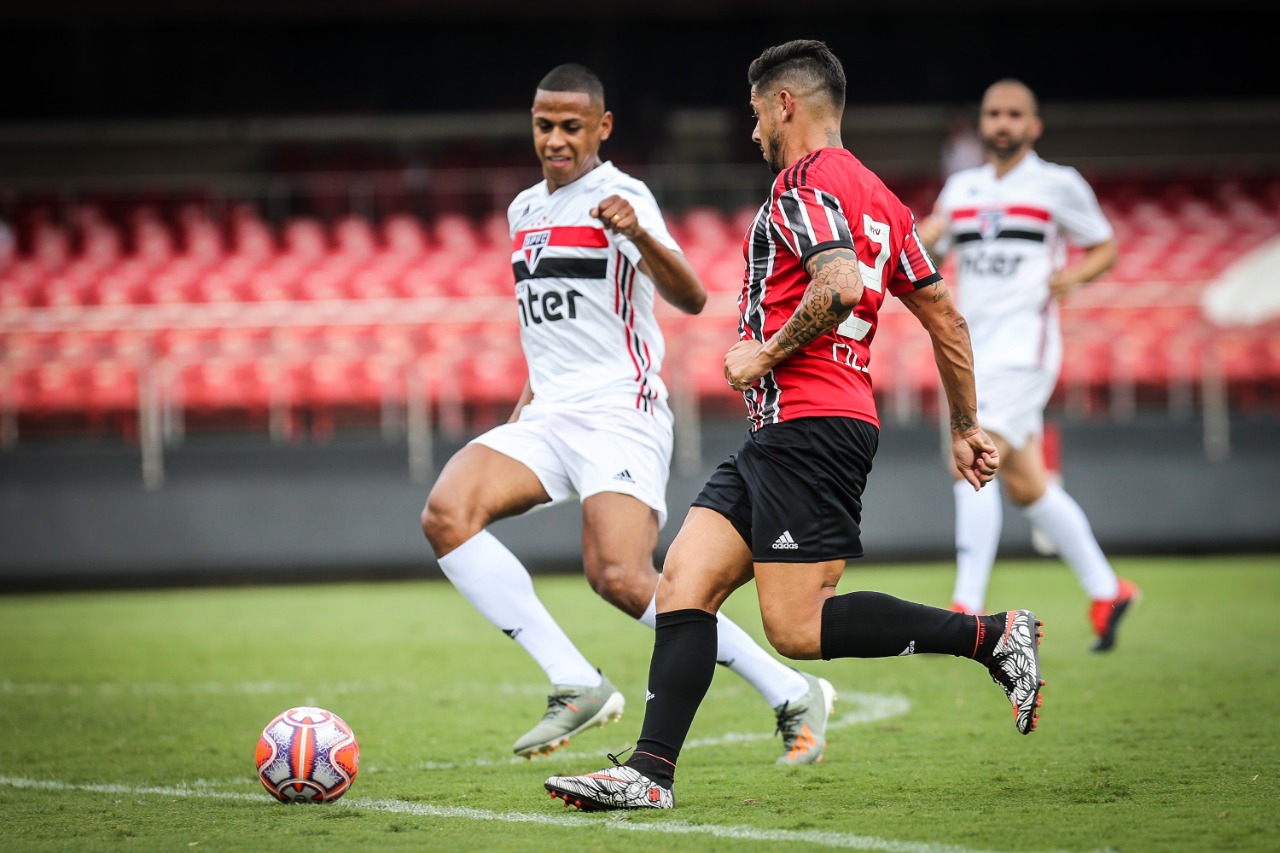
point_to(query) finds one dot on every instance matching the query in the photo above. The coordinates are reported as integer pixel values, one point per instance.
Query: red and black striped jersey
(827, 199)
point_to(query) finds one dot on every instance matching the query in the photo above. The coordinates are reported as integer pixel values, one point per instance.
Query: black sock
(683, 664)
(875, 625)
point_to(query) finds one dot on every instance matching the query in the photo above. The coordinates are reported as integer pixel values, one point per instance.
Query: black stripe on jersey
(843, 230)
(804, 171)
(759, 260)
(762, 400)
(793, 215)
(562, 268)
(796, 173)
(1007, 234)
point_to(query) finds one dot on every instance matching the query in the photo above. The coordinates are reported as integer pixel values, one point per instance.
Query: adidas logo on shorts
(785, 542)
(624, 475)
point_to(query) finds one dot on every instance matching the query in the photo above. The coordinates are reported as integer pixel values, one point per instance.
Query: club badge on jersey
(534, 243)
(989, 223)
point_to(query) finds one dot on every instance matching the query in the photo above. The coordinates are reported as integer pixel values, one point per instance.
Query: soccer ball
(307, 755)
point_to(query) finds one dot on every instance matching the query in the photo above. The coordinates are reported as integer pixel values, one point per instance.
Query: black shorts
(793, 490)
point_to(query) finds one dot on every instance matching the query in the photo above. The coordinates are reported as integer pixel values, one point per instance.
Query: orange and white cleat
(1106, 614)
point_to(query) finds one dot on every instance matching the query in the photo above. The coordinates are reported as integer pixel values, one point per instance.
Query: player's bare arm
(835, 287)
(1096, 261)
(930, 230)
(669, 271)
(975, 455)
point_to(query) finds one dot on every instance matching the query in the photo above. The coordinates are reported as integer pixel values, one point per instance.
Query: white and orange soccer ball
(307, 755)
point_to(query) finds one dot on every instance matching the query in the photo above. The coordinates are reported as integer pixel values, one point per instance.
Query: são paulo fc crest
(534, 243)
(989, 223)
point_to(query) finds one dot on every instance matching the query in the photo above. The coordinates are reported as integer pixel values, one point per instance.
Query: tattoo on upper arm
(935, 292)
(835, 289)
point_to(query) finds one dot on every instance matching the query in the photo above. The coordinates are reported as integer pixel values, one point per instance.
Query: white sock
(979, 517)
(1060, 518)
(735, 648)
(499, 587)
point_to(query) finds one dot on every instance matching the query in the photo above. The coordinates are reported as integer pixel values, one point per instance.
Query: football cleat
(571, 710)
(1015, 666)
(1106, 614)
(620, 787)
(803, 723)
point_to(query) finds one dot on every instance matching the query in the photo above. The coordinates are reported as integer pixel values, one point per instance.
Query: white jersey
(1010, 235)
(586, 311)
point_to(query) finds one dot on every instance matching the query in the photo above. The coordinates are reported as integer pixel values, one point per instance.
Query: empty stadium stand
(220, 317)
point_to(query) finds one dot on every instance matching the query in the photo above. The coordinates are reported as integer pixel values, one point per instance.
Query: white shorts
(583, 451)
(1011, 403)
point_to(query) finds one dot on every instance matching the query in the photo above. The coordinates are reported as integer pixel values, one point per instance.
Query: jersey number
(877, 232)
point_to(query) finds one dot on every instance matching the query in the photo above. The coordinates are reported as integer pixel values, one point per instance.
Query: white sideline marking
(869, 708)
(615, 822)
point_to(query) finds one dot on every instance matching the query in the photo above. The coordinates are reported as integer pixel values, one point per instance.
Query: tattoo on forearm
(961, 421)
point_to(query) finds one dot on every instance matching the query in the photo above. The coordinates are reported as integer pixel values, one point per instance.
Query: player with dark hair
(1010, 221)
(785, 509)
(589, 251)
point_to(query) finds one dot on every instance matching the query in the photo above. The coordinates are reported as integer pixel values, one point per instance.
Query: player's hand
(976, 457)
(1061, 284)
(744, 363)
(618, 216)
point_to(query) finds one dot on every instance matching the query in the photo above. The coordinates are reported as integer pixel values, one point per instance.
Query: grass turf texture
(131, 719)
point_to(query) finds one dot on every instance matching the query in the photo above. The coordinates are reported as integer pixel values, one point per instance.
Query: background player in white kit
(589, 248)
(1008, 221)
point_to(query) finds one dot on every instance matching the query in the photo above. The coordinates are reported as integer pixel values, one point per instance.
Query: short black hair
(807, 61)
(572, 77)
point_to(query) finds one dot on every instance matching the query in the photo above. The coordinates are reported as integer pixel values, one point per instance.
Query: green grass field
(131, 720)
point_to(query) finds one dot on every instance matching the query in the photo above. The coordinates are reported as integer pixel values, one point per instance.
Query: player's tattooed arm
(937, 312)
(835, 288)
(962, 421)
(975, 455)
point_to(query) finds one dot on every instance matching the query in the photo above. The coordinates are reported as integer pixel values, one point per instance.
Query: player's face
(567, 131)
(767, 134)
(1007, 121)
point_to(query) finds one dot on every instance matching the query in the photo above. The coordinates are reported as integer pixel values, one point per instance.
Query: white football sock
(979, 518)
(498, 586)
(735, 648)
(1060, 518)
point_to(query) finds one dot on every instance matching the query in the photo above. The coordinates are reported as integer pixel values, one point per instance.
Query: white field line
(868, 708)
(614, 822)
(863, 708)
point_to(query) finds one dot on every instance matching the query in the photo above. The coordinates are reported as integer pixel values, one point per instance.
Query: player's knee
(1022, 491)
(627, 586)
(446, 524)
(795, 642)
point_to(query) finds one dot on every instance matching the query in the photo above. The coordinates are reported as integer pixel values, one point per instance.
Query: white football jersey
(1010, 235)
(586, 311)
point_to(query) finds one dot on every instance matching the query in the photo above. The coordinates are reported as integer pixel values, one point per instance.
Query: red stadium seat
(222, 392)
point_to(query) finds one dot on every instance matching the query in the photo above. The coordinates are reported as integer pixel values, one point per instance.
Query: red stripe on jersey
(621, 301)
(1029, 212)
(580, 236)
